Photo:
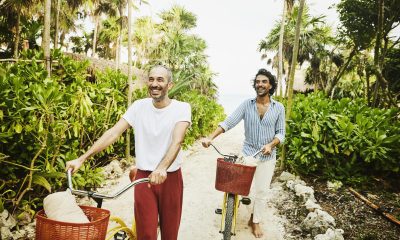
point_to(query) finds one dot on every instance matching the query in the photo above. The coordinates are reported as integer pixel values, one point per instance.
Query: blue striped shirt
(258, 132)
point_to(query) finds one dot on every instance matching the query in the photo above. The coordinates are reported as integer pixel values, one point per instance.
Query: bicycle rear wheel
(230, 204)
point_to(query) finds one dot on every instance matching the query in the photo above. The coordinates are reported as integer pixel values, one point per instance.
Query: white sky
(232, 30)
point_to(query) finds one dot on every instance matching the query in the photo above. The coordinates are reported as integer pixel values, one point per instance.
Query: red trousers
(158, 203)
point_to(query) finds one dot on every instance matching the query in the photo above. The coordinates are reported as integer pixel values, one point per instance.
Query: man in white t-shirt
(160, 125)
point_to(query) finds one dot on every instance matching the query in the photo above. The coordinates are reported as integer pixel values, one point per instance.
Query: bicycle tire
(230, 204)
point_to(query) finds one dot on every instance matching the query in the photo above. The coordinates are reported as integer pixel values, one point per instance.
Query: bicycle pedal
(218, 211)
(245, 201)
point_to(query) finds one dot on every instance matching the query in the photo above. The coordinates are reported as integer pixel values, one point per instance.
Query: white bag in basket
(248, 161)
(61, 206)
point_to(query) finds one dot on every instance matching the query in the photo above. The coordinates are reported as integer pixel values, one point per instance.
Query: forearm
(173, 150)
(170, 156)
(102, 143)
(274, 142)
(216, 133)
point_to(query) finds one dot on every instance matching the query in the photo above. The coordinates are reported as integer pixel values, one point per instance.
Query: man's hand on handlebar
(158, 176)
(267, 149)
(74, 164)
(206, 142)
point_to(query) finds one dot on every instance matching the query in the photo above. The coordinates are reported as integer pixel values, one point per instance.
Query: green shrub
(48, 121)
(342, 139)
(206, 114)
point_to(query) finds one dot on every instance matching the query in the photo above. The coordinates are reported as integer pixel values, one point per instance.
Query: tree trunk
(378, 62)
(280, 51)
(130, 82)
(17, 32)
(57, 24)
(378, 39)
(286, 80)
(368, 90)
(46, 36)
(375, 101)
(96, 29)
(121, 15)
(342, 69)
(292, 73)
(117, 54)
(62, 38)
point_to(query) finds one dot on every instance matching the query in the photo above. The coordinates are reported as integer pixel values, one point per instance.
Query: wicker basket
(234, 178)
(47, 229)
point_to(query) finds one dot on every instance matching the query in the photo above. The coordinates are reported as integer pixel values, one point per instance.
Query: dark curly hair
(271, 78)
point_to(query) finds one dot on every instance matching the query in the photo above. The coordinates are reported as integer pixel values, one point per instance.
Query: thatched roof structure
(98, 64)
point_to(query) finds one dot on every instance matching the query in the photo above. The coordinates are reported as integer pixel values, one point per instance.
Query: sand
(199, 222)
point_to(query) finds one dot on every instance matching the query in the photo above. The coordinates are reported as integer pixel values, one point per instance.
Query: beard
(262, 92)
(157, 93)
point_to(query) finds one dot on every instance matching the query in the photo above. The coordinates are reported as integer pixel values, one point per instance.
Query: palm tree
(146, 39)
(170, 43)
(57, 20)
(115, 8)
(178, 18)
(378, 60)
(96, 19)
(82, 44)
(46, 36)
(97, 8)
(13, 10)
(31, 32)
(292, 71)
(280, 51)
(61, 7)
(130, 82)
(294, 58)
(65, 22)
(108, 34)
(314, 35)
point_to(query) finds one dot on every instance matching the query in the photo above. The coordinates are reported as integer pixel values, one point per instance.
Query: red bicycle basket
(96, 229)
(234, 178)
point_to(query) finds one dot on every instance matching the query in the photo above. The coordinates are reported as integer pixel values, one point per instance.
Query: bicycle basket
(96, 229)
(233, 178)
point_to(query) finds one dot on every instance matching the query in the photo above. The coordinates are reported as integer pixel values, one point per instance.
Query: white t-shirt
(153, 131)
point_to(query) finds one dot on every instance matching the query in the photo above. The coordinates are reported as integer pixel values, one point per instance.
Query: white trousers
(259, 188)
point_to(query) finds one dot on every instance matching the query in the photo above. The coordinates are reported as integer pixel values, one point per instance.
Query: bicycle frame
(227, 201)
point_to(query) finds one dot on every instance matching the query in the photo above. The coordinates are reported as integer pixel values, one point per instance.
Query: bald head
(160, 69)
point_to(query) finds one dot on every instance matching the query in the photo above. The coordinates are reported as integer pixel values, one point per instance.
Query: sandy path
(200, 197)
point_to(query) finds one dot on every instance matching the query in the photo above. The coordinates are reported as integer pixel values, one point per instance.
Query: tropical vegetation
(344, 127)
(52, 113)
(350, 66)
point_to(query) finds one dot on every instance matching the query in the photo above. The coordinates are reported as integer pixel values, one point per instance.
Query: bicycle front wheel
(230, 205)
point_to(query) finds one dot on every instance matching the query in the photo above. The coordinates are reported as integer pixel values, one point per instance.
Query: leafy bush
(48, 121)
(342, 139)
(206, 114)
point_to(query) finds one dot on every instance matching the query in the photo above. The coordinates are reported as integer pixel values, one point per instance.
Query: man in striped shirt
(264, 123)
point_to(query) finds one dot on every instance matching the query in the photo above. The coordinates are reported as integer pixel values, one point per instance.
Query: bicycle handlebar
(98, 195)
(233, 157)
(224, 155)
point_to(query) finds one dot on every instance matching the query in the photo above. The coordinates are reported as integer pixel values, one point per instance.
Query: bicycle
(119, 232)
(234, 180)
